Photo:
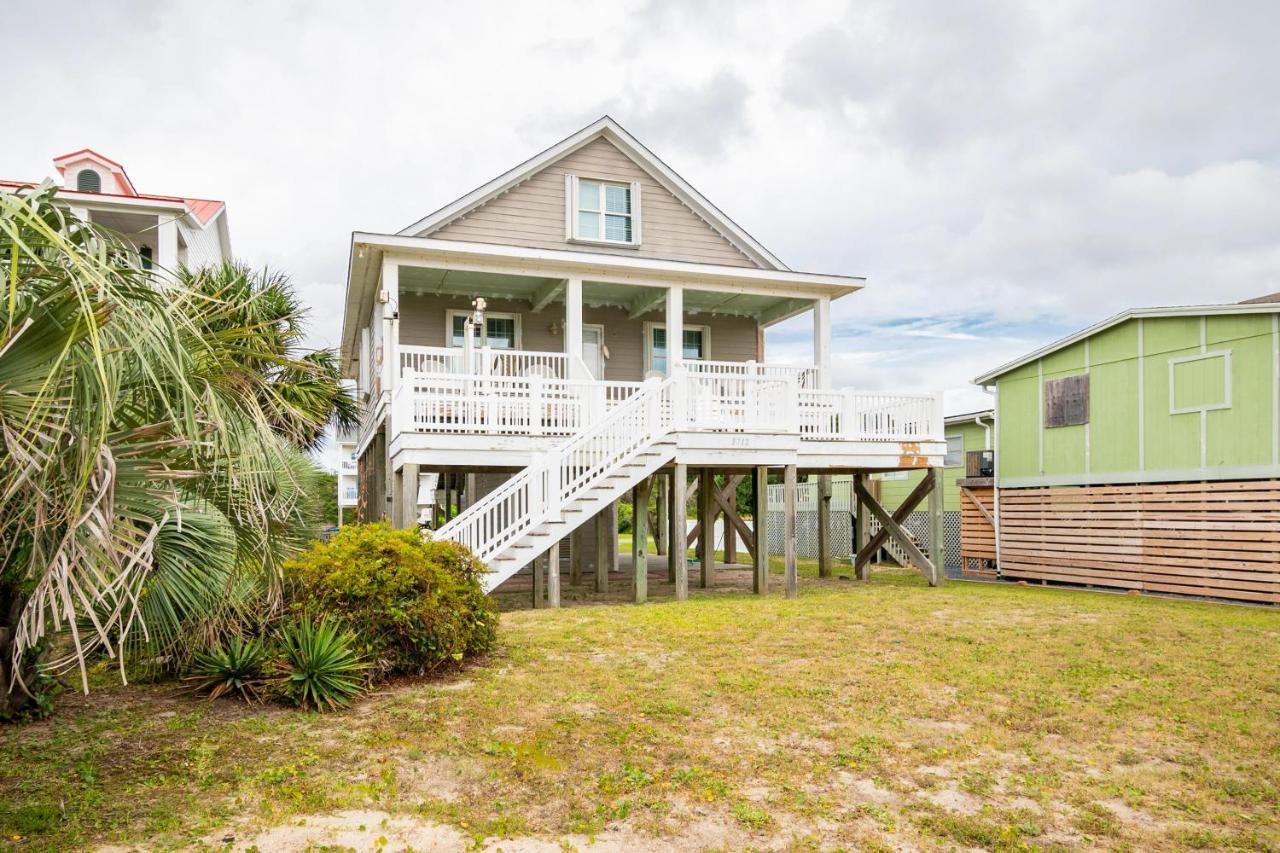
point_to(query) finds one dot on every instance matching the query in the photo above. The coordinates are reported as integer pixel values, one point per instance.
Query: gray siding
(422, 323)
(533, 213)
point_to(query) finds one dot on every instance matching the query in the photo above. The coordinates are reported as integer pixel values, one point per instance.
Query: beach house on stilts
(588, 326)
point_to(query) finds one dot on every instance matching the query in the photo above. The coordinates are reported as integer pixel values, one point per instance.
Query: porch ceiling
(636, 298)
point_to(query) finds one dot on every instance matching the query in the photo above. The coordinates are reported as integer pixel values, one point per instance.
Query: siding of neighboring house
(423, 319)
(204, 245)
(1120, 443)
(533, 213)
(1150, 493)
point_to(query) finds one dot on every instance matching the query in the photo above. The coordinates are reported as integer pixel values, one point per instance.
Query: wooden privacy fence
(977, 531)
(1219, 539)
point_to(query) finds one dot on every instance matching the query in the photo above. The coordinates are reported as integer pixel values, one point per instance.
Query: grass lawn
(859, 716)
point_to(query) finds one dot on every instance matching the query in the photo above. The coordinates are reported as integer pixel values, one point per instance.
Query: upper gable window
(603, 211)
(88, 181)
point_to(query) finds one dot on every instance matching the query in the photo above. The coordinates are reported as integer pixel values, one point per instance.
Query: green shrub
(626, 517)
(235, 665)
(319, 668)
(415, 604)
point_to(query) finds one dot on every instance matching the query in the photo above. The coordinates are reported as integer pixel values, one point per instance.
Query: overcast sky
(1002, 173)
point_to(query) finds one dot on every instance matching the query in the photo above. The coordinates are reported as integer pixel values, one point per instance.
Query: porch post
(675, 328)
(822, 340)
(538, 567)
(789, 528)
(760, 527)
(167, 242)
(663, 499)
(640, 539)
(573, 325)
(936, 530)
(575, 557)
(824, 525)
(861, 529)
(677, 541)
(707, 538)
(553, 575)
(603, 558)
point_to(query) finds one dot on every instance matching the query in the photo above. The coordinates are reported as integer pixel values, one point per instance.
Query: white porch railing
(501, 405)
(859, 415)
(486, 361)
(805, 377)
(514, 392)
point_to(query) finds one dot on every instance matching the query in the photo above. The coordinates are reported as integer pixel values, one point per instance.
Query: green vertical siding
(1019, 416)
(1241, 435)
(1132, 434)
(1113, 399)
(894, 492)
(1172, 441)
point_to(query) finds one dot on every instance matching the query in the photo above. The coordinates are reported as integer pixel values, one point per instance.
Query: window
(145, 254)
(501, 331)
(88, 181)
(955, 452)
(695, 345)
(1066, 401)
(1200, 383)
(602, 211)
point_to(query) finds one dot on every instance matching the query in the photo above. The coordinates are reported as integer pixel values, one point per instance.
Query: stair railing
(538, 492)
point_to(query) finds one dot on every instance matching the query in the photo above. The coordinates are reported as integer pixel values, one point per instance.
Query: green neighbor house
(970, 439)
(1144, 453)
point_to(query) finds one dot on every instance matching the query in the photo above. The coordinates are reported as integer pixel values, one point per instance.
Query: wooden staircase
(517, 522)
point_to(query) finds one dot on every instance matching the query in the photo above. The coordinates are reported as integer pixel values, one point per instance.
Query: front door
(593, 349)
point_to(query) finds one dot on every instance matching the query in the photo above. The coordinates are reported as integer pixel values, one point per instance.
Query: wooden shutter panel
(1066, 401)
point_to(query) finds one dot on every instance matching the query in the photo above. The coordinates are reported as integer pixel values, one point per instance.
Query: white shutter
(570, 206)
(635, 212)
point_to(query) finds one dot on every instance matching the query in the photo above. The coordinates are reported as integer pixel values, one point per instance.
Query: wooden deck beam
(890, 526)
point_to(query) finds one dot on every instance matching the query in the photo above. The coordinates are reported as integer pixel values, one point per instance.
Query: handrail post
(535, 405)
(849, 427)
(679, 398)
(554, 485)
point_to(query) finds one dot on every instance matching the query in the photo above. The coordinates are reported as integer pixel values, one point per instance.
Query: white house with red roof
(167, 230)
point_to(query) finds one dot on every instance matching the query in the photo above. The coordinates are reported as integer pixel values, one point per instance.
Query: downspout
(994, 390)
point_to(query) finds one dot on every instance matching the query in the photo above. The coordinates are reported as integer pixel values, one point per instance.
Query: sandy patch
(953, 800)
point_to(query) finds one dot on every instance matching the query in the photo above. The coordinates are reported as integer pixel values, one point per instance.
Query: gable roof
(604, 127)
(1124, 316)
(62, 161)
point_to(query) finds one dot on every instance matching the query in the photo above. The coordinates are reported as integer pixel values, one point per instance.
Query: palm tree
(150, 440)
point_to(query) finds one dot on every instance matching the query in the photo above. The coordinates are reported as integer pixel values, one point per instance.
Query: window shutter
(88, 181)
(1066, 401)
(570, 206)
(635, 212)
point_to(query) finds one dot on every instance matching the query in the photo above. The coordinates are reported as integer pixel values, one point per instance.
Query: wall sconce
(556, 327)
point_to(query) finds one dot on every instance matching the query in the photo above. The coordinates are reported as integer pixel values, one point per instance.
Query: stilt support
(824, 526)
(891, 527)
(677, 551)
(789, 530)
(760, 521)
(706, 520)
(640, 539)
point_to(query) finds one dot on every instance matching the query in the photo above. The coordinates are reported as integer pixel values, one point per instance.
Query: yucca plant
(319, 666)
(233, 666)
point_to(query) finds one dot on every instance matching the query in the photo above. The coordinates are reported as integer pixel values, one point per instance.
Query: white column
(675, 328)
(573, 325)
(822, 340)
(390, 285)
(167, 242)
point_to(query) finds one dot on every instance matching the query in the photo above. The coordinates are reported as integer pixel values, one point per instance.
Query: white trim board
(1171, 475)
(603, 127)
